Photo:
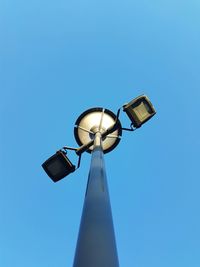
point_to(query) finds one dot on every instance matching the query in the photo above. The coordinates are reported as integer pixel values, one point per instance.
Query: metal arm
(131, 129)
(74, 149)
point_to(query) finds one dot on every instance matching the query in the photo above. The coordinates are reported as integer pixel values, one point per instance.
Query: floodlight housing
(58, 166)
(139, 110)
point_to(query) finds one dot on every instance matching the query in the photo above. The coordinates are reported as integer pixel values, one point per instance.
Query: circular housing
(97, 120)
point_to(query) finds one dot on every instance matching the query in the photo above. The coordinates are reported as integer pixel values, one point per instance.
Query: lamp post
(96, 245)
(97, 131)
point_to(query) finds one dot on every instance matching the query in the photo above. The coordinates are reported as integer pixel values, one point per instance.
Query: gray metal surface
(96, 246)
(97, 120)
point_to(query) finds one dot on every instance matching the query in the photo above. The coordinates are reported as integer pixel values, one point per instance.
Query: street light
(97, 131)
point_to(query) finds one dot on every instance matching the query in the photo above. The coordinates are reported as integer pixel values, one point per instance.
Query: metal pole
(96, 245)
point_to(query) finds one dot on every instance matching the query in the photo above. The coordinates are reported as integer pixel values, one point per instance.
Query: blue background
(59, 58)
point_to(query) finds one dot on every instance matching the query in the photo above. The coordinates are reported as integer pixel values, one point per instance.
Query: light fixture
(139, 110)
(58, 166)
(94, 120)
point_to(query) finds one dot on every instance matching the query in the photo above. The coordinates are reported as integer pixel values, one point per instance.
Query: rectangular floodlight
(58, 166)
(139, 110)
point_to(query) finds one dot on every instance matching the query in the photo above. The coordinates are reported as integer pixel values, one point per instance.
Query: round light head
(97, 120)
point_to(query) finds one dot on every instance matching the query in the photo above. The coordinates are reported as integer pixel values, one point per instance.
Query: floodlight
(58, 166)
(139, 110)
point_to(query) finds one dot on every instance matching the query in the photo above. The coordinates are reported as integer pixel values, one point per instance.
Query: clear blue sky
(59, 58)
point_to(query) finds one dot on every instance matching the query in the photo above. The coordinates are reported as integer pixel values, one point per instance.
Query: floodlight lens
(58, 166)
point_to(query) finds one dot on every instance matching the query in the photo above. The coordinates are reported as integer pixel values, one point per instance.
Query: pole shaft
(96, 245)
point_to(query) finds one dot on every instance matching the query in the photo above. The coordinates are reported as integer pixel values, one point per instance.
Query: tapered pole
(96, 246)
